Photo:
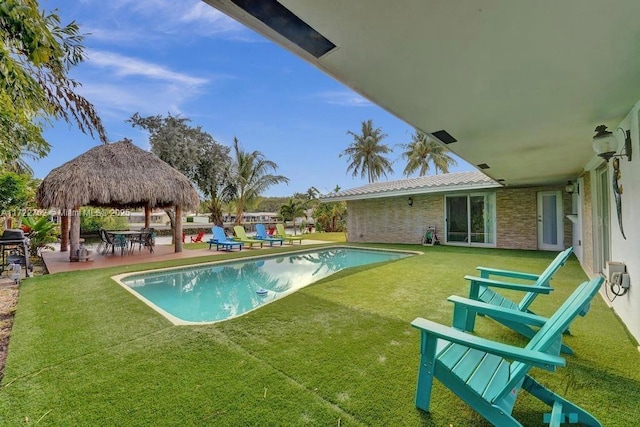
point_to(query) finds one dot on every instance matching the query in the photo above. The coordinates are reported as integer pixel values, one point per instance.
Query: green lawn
(84, 351)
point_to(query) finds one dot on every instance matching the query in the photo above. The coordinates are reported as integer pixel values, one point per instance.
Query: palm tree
(366, 153)
(422, 151)
(251, 177)
(293, 209)
(312, 193)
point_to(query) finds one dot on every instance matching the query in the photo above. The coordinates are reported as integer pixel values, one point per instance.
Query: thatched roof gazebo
(116, 175)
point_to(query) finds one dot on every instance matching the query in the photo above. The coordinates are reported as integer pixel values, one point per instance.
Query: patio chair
(146, 238)
(261, 234)
(487, 375)
(113, 241)
(221, 240)
(481, 290)
(281, 233)
(198, 237)
(241, 235)
(102, 246)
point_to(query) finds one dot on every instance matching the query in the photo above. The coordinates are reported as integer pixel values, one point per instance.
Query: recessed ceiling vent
(444, 136)
(483, 166)
(283, 21)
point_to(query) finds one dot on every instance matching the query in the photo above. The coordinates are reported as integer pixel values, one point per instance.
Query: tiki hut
(116, 175)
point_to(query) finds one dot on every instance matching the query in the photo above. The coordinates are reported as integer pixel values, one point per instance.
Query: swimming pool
(221, 291)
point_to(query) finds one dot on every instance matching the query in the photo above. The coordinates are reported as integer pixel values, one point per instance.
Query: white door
(550, 224)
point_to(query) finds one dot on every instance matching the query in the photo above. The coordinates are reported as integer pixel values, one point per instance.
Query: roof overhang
(412, 192)
(519, 85)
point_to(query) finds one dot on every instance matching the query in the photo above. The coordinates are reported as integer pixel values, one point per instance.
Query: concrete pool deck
(57, 262)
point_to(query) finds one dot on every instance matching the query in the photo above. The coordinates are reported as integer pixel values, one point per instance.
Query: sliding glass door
(470, 219)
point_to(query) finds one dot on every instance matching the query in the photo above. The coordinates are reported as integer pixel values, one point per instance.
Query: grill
(12, 235)
(15, 249)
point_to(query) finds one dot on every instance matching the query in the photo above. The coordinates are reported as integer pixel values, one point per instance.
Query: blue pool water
(201, 294)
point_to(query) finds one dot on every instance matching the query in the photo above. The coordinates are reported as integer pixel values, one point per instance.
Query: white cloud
(117, 102)
(344, 98)
(201, 12)
(128, 66)
(133, 20)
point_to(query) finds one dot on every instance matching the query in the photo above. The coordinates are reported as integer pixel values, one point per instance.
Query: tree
(14, 195)
(35, 58)
(294, 208)
(422, 151)
(270, 204)
(194, 153)
(330, 216)
(366, 153)
(251, 177)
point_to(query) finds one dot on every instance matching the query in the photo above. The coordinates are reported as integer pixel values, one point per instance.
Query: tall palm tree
(422, 151)
(251, 177)
(291, 210)
(366, 153)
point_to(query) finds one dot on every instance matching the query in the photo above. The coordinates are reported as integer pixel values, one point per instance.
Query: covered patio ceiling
(521, 86)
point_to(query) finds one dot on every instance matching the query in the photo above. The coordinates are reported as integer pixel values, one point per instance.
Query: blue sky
(188, 59)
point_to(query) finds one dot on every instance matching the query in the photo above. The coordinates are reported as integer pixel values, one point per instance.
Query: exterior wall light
(605, 143)
(410, 201)
(569, 188)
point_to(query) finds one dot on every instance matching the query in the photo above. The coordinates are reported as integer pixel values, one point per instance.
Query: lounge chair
(198, 237)
(261, 234)
(221, 240)
(282, 234)
(488, 375)
(241, 235)
(481, 290)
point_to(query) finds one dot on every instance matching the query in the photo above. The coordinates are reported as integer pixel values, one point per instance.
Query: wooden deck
(57, 262)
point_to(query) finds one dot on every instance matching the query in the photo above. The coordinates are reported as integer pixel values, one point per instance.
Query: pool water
(216, 292)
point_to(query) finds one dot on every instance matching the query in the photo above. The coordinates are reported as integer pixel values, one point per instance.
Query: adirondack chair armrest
(475, 281)
(485, 272)
(531, 357)
(478, 307)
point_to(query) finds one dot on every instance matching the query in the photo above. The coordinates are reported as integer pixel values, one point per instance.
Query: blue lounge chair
(221, 240)
(481, 290)
(261, 234)
(487, 375)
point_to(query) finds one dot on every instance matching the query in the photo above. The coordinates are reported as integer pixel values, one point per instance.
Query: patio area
(58, 262)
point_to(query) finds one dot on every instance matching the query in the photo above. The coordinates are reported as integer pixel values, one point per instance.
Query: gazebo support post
(64, 230)
(177, 231)
(147, 216)
(74, 234)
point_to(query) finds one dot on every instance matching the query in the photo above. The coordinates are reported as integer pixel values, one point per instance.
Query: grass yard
(340, 352)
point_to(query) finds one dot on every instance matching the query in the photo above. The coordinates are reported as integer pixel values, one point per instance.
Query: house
(466, 208)
(516, 88)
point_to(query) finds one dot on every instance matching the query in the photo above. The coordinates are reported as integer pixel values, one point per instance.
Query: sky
(186, 58)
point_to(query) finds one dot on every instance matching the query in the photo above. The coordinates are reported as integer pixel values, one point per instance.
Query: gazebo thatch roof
(118, 175)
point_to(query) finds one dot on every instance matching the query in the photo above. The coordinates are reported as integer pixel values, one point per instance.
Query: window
(470, 219)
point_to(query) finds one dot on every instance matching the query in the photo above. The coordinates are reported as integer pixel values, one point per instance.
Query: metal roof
(459, 181)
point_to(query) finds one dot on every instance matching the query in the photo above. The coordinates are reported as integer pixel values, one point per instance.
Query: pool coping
(179, 322)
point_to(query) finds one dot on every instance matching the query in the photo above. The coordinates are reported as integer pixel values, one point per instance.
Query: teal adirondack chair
(488, 375)
(481, 289)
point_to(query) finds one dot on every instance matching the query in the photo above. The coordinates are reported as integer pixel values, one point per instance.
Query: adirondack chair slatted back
(549, 337)
(545, 277)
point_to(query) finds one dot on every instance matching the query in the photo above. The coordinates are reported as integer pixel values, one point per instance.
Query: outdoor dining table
(142, 236)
